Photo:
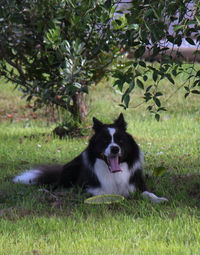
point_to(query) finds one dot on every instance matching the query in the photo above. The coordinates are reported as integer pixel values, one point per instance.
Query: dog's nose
(114, 149)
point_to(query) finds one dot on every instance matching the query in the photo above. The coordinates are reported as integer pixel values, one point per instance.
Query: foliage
(157, 31)
(55, 49)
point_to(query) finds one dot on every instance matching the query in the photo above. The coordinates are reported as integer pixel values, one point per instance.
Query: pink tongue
(114, 164)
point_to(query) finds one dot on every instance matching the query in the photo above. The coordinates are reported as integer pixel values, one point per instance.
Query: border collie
(111, 164)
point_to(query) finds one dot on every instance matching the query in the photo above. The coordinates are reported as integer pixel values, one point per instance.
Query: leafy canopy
(158, 30)
(54, 50)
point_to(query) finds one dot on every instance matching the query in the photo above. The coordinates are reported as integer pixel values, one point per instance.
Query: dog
(111, 164)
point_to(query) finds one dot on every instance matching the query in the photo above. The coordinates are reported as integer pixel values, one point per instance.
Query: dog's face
(109, 142)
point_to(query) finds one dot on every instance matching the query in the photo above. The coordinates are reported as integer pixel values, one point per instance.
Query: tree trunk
(79, 112)
(79, 108)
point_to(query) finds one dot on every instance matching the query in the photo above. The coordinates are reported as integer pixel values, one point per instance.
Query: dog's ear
(120, 122)
(97, 124)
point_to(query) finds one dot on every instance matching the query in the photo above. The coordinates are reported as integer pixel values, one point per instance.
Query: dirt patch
(191, 183)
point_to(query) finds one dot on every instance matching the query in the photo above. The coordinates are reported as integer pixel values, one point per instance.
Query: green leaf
(178, 40)
(126, 100)
(170, 38)
(139, 52)
(158, 94)
(169, 78)
(131, 86)
(186, 95)
(77, 85)
(116, 83)
(155, 75)
(145, 77)
(148, 88)
(107, 4)
(162, 109)
(140, 84)
(119, 22)
(123, 106)
(80, 48)
(178, 27)
(195, 92)
(198, 74)
(157, 101)
(148, 13)
(147, 96)
(142, 63)
(85, 89)
(190, 41)
(149, 108)
(157, 116)
(195, 83)
(159, 171)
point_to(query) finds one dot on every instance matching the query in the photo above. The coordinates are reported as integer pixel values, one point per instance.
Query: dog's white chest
(112, 183)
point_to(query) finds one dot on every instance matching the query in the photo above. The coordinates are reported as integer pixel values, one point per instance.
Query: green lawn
(39, 223)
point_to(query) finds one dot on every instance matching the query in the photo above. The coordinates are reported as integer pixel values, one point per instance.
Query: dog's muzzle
(113, 159)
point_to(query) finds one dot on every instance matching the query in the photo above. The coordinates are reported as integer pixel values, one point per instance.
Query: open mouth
(113, 164)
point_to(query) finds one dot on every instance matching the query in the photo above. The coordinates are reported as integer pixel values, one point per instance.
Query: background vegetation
(54, 50)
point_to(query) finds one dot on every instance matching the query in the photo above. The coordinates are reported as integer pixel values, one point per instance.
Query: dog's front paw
(159, 200)
(153, 198)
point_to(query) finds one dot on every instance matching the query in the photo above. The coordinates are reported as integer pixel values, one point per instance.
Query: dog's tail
(40, 175)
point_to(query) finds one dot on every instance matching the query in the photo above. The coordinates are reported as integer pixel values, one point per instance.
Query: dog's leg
(95, 191)
(138, 180)
(140, 184)
(153, 197)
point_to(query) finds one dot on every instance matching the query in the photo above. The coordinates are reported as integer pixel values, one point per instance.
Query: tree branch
(13, 64)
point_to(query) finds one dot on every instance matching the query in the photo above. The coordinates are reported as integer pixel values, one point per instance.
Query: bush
(53, 50)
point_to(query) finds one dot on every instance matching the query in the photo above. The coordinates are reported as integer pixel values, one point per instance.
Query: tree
(53, 50)
(159, 29)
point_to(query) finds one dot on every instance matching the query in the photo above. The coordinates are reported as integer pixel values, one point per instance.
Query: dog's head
(110, 142)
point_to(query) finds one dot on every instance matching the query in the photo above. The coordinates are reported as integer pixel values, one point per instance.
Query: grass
(35, 222)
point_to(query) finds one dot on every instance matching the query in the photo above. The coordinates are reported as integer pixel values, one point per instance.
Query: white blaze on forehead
(112, 143)
(112, 132)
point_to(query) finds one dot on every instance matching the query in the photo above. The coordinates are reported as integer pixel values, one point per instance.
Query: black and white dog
(111, 164)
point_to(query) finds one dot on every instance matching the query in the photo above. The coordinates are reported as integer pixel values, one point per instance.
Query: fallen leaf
(159, 171)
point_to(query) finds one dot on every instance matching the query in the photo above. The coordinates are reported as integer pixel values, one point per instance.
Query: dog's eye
(106, 138)
(118, 138)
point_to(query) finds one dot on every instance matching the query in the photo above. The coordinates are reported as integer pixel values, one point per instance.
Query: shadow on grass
(19, 201)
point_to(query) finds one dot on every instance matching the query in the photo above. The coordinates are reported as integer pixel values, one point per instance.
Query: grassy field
(33, 221)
